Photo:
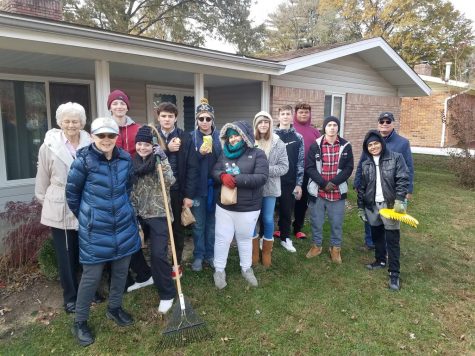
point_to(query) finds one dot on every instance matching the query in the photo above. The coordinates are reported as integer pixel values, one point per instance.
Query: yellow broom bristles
(405, 218)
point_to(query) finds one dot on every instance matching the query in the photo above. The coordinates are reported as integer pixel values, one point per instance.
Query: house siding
(234, 103)
(16, 193)
(350, 74)
(137, 96)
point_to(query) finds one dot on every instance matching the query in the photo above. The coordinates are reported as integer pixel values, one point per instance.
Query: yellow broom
(405, 218)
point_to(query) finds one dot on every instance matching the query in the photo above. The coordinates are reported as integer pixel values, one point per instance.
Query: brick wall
(50, 9)
(361, 115)
(290, 96)
(421, 119)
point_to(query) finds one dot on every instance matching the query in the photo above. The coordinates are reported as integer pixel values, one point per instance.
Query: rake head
(184, 327)
(405, 218)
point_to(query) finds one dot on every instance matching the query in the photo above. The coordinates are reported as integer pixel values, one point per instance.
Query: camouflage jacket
(147, 197)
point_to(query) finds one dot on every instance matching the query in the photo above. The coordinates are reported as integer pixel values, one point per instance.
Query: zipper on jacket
(113, 207)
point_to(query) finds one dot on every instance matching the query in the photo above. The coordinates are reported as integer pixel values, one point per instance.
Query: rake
(405, 218)
(184, 325)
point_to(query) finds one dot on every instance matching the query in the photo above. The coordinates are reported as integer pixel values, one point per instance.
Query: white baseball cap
(104, 125)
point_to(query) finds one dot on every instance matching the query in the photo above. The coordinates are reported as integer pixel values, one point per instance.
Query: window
(24, 124)
(27, 110)
(335, 106)
(183, 98)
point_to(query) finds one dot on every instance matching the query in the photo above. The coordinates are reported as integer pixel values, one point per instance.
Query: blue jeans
(368, 240)
(203, 230)
(267, 217)
(336, 213)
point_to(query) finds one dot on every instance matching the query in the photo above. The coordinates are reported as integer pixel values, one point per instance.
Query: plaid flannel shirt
(330, 159)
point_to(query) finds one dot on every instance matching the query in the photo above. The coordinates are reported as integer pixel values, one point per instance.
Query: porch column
(199, 88)
(102, 79)
(265, 96)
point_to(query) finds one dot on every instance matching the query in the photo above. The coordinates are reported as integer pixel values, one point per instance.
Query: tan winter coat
(54, 162)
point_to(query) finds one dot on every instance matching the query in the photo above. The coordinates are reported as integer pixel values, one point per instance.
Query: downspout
(446, 104)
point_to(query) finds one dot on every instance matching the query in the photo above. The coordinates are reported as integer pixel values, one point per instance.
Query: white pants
(230, 224)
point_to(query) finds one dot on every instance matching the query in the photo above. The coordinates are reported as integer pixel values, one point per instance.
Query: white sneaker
(165, 306)
(288, 245)
(138, 285)
(220, 279)
(249, 277)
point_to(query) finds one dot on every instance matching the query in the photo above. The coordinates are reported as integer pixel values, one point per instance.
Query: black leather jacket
(394, 177)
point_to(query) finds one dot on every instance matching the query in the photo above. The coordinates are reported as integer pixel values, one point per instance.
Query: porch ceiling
(40, 64)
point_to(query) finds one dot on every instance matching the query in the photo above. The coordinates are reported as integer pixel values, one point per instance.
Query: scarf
(142, 166)
(233, 152)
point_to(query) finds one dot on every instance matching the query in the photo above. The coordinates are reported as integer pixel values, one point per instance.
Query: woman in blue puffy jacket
(97, 192)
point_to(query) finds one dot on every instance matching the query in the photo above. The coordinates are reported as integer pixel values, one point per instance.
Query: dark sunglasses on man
(108, 135)
(387, 122)
(203, 118)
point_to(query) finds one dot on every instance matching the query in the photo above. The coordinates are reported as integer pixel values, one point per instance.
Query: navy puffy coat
(97, 193)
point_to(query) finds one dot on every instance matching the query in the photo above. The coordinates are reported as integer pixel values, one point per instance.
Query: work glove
(329, 187)
(228, 180)
(158, 151)
(399, 207)
(362, 215)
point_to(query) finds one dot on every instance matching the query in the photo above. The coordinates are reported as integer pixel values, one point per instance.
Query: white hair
(71, 109)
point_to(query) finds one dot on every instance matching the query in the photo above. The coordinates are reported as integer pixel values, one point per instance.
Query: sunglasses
(203, 118)
(108, 135)
(387, 122)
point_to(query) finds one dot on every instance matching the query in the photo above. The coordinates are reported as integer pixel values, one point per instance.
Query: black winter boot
(82, 333)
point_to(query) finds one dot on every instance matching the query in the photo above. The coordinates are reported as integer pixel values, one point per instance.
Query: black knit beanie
(144, 134)
(328, 120)
(373, 137)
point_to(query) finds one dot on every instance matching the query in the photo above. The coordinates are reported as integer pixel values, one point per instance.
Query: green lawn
(313, 306)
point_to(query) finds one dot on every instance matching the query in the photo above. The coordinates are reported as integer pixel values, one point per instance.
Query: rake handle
(170, 229)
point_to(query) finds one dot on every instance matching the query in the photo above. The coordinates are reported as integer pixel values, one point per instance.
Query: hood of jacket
(54, 140)
(244, 129)
(365, 142)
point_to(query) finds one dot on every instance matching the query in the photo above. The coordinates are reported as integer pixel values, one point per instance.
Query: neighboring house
(46, 62)
(424, 120)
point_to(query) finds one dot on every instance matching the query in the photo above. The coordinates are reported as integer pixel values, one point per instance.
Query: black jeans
(286, 207)
(139, 266)
(386, 240)
(91, 277)
(178, 228)
(301, 207)
(68, 261)
(161, 268)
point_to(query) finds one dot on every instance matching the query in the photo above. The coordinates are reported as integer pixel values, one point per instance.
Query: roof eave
(189, 53)
(353, 48)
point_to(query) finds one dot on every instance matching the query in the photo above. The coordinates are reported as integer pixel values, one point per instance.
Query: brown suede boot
(314, 251)
(335, 254)
(255, 251)
(267, 252)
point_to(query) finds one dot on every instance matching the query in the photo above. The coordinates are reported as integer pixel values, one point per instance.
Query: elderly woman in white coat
(276, 154)
(55, 157)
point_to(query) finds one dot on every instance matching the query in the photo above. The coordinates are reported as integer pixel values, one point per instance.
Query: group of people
(101, 191)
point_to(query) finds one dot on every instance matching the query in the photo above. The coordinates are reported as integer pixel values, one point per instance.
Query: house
(45, 62)
(424, 120)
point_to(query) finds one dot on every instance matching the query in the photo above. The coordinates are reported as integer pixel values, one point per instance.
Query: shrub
(23, 241)
(47, 260)
(462, 125)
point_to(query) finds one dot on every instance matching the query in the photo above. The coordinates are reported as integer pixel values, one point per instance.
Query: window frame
(4, 182)
(343, 105)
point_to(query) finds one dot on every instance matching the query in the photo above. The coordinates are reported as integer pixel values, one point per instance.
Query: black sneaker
(120, 316)
(82, 333)
(394, 281)
(376, 265)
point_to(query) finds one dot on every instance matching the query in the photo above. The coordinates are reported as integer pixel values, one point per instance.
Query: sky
(260, 9)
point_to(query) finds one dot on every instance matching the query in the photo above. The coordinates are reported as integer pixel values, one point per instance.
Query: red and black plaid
(330, 168)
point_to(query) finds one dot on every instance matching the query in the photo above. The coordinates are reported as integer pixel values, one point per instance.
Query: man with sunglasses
(208, 148)
(396, 143)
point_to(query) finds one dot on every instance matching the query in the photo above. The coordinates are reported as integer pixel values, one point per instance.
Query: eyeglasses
(387, 122)
(203, 118)
(104, 135)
